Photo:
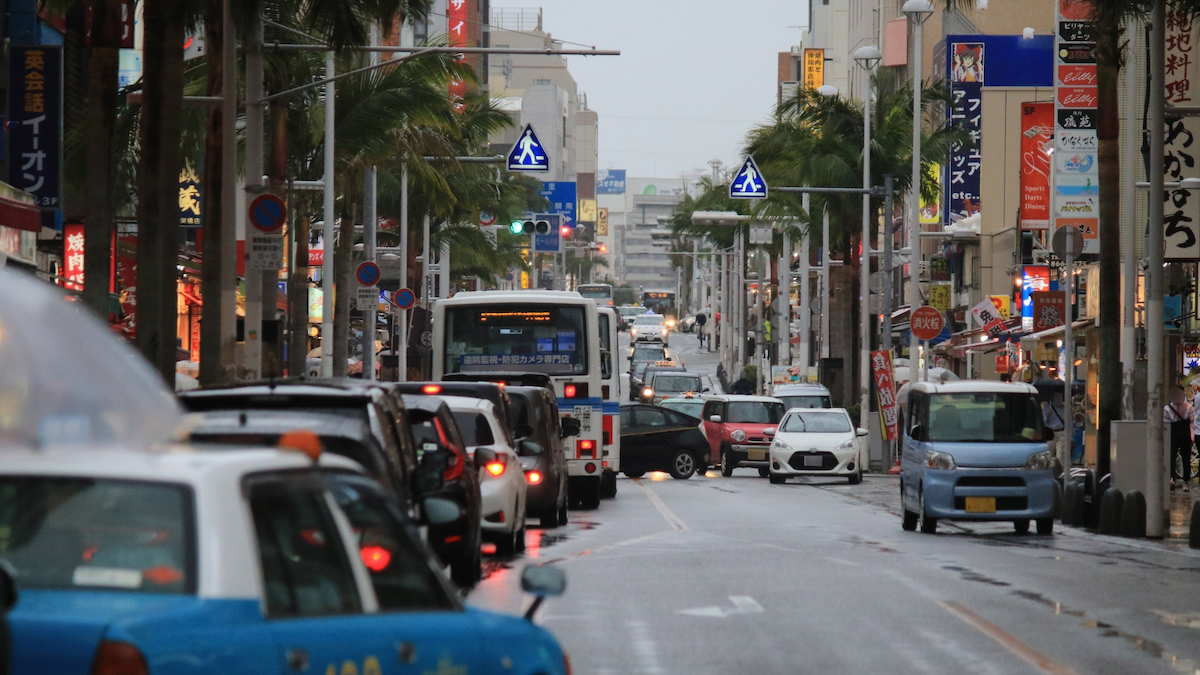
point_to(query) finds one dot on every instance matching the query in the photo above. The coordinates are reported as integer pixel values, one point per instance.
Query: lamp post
(828, 91)
(867, 58)
(918, 12)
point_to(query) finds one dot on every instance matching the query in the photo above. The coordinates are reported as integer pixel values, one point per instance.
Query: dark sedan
(657, 439)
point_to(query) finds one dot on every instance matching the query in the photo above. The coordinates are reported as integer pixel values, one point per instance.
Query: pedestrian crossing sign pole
(527, 153)
(748, 183)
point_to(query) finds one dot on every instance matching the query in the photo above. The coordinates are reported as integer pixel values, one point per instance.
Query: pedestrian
(1054, 414)
(1179, 414)
(747, 383)
(701, 321)
(750, 345)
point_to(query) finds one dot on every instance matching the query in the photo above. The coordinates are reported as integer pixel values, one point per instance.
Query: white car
(818, 442)
(501, 480)
(650, 328)
(802, 395)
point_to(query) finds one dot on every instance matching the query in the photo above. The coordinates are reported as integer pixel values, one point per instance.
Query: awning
(1028, 341)
(20, 216)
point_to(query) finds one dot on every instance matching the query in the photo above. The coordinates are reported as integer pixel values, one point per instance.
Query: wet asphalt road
(734, 575)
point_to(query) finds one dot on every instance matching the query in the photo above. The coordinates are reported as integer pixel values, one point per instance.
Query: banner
(34, 124)
(885, 392)
(931, 211)
(1037, 145)
(988, 318)
(1049, 308)
(1181, 234)
(1076, 168)
(456, 31)
(966, 68)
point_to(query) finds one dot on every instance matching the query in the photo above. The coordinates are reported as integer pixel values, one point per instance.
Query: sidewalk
(1181, 512)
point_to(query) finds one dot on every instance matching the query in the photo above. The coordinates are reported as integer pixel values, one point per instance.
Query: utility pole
(805, 292)
(370, 224)
(253, 321)
(402, 365)
(328, 228)
(1156, 473)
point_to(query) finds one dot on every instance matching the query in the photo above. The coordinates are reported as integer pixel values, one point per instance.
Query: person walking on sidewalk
(1054, 414)
(1178, 413)
(701, 320)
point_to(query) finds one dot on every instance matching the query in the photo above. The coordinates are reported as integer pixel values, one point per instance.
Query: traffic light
(603, 248)
(516, 227)
(541, 227)
(565, 231)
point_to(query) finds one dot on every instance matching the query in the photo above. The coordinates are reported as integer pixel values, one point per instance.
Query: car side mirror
(528, 448)
(484, 456)
(440, 511)
(429, 475)
(523, 431)
(706, 390)
(570, 427)
(860, 432)
(542, 581)
(770, 431)
(715, 419)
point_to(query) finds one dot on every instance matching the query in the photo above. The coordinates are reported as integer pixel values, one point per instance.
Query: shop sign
(456, 32)
(1037, 141)
(190, 201)
(885, 391)
(34, 124)
(610, 182)
(602, 222)
(1046, 351)
(1076, 169)
(988, 317)
(1003, 304)
(1049, 310)
(1181, 234)
(814, 68)
(939, 268)
(965, 63)
(1002, 366)
(939, 297)
(931, 210)
(1034, 278)
(73, 256)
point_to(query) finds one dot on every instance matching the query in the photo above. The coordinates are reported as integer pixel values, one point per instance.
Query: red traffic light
(603, 248)
(566, 231)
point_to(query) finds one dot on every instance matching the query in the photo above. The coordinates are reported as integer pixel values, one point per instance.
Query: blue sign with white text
(748, 183)
(35, 122)
(527, 153)
(563, 197)
(610, 182)
(551, 242)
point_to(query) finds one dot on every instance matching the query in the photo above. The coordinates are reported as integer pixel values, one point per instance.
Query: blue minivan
(976, 450)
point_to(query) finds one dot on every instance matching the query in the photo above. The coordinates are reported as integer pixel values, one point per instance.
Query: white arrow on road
(742, 604)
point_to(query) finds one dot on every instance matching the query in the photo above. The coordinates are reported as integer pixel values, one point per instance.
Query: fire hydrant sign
(927, 323)
(264, 245)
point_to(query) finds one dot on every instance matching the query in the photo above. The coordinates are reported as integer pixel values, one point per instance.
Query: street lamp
(918, 12)
(867, 58)
(827, 90)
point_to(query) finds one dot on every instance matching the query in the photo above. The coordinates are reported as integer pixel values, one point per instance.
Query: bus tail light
(585, 448)
(119, 658)
(575, 390)
(569, 391)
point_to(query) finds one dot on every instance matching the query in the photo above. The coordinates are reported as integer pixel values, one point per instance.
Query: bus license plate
(981, 505)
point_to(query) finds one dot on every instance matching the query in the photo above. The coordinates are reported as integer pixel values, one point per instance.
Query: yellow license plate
(981, 505)
(756, 455)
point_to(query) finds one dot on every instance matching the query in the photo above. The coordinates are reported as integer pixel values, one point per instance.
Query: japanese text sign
(35, 114)
(966, 68)
(814, 68)
(885, 392)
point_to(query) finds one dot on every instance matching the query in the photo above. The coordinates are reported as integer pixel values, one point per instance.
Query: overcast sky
(693, 76)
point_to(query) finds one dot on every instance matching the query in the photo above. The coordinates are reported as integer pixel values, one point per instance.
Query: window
(59, 533)
(650, 320)
(650, 418)
(817, 422)
(305, 568)
(675, 384)
(712, 408)
(676, 419)
(402, 575)
(755, 412)
(527, 338)
(626, 418)
(984, 417)
(474, 428)
(541, 82)
(807, 401)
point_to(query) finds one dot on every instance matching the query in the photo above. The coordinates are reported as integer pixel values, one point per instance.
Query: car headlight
(647, 393)
(738, 435)
(939, 460)
(780, 445)
(1039, 461)
(670, 323)
(847, 445)
(633, 331)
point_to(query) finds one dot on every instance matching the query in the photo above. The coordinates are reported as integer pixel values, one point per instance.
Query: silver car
(649, 328)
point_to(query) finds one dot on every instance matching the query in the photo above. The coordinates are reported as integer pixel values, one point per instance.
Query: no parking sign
(264, 246)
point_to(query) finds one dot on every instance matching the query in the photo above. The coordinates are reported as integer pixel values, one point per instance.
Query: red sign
(1037, 140)
(885, 388)
(456, 30)
(1002, 365)
(73, 256)
(1078, 97)
(1077, 75)
(1049, 309)
(927, 323)
(316, 256)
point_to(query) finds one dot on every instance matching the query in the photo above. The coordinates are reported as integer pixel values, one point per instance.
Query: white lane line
(644, 647)
(677, 525)
(666, 512)
(742, 604)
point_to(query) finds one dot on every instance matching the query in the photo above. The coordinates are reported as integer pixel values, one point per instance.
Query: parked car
(657, 439)
(660, 384)
(239, 561)
(802, 395)
(650, 328)
(818, 441)
(976, 450)
(739, 430)
(690, 404)
(502, 481)
(436, 431)
(687, 324)
(534, 416)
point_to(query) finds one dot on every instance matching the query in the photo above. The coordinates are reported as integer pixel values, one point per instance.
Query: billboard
(610, 182)
(35, 116)
(1037, 145)
(965, 63)
(563, 198)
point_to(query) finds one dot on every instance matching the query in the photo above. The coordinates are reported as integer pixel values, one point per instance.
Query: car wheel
(562, 513)
(928, 525)
(683, 465)
(608, 485)
(763, 472)
(778, 478)
(1021, 526)
(727, 465)
(856, 478)
(634, 474)
(467, 568)
(1045, 526)
(519, 538)
(909, 521)
(548, 518)
(591, 498)
(506, 544)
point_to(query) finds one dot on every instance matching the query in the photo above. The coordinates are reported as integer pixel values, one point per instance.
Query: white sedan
(650, 327)
(501, 479)
(818, 442)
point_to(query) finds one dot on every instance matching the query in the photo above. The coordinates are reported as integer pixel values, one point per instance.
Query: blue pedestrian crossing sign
(748, 183)
(527, 153)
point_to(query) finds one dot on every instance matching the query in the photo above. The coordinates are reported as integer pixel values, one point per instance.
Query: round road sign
(486, 218)
(404, 298)
(927, 323)
(367, 273)
(268, 213)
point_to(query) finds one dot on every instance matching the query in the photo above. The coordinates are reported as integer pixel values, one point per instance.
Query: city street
(721, 575)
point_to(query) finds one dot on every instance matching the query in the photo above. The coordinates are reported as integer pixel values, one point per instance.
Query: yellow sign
(814, 68)
(1045, 351)
(939, 297)
(602, 223)
(1003, 305)
(931, 211)
(524, 279)
(587, 210)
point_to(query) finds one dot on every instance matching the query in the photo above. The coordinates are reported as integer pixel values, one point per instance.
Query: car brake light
(569, 391)
(533, 477)
(431, 389)
(118, 658)
(376, 558)
(497, 466)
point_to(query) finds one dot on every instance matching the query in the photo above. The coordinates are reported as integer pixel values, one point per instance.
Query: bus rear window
(510, 338)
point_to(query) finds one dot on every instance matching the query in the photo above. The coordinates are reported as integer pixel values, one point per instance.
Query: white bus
(601, 293)
(551, 332)
(611, 393)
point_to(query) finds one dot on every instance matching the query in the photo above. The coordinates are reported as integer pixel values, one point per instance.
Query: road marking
(644, 647)
(1007, 640)
(742, 604)
(666, 513)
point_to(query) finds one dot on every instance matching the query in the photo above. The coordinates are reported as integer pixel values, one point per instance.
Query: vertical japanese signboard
(190, 203)
(966, 68)
(1181, 234)
(1076, 168)
(456, 30)
(73, 256)
(35, 113)
(1034, 278)
(814, 68)
(885, 391)
(1037, 147)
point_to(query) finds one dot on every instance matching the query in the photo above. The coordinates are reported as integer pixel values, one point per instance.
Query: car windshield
(649, 320)
(756, 412)
(812, 422)
(631, 311)
(527, 338)
(690, 408)
(85, 533)
(985, 417)
(474, 428)
(676, 383)
(805, 401)
(648, 354)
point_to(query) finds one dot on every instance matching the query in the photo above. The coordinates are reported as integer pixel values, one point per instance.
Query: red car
(740, 429)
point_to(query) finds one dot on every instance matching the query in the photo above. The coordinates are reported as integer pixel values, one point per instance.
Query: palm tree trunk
(158, 208)
(211, 363)
(101, 120)
(1108, 135)
(345, 286)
